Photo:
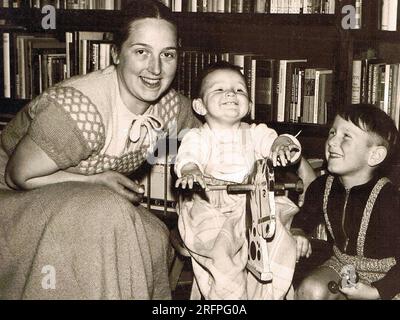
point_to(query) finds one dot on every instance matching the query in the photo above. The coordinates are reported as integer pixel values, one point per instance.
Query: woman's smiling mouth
(151, 83)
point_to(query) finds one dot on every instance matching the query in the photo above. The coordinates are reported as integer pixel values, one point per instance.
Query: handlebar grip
(297, 186)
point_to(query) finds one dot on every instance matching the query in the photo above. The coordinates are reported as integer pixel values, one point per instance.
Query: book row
(253, 6)
(282, 90)
(33, 62)
(65, 4)
(378, 83)
(218, 6)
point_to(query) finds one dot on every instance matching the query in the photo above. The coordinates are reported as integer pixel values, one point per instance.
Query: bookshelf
(319, 38)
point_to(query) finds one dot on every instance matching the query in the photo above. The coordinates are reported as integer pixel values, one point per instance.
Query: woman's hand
(121, 184)
(190, 174)
(361, 291)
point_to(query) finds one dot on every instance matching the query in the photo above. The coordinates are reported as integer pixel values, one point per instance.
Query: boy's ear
(198, 107)
(377, 155)
(115, 55)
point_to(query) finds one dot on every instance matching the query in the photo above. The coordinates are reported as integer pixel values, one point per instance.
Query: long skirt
(80, 241)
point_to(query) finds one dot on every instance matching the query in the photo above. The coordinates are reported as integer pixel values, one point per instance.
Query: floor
(184, 286)
(321, 252)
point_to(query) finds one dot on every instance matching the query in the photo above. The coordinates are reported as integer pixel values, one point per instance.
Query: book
(6, 65)
(309, 93)
(42, 52)
(395, 114)
(284, 87)
(388, 15)
(264, 89)
(356, 81)
(324, 95)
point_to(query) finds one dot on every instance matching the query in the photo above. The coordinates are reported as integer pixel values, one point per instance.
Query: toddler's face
(348, 149)
(225, 97)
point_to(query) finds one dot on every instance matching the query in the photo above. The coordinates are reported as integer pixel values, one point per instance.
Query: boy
(360, 207)
(224, 150)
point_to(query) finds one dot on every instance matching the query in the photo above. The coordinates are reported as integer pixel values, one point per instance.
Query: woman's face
(147, 62)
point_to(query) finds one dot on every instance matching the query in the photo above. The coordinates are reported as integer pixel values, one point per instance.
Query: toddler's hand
(189, 177)
(282, 155)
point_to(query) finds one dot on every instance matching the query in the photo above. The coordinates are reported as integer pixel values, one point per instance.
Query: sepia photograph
(220, 151)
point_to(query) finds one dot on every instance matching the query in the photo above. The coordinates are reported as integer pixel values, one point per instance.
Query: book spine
(386, 90)
(6, 65)
(384, 16)
(281, 91)
(316, 97)
(356, 82)
(300, 94)
(260, 6)
(396, 116)
(358, 14)
(309, 89)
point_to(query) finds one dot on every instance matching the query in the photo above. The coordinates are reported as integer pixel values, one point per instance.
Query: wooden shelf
(11, 106)
(109, 20)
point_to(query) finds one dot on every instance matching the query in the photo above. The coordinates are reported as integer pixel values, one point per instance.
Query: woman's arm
(29, 167)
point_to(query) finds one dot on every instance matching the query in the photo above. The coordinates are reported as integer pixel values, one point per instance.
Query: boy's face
(224, 97)
(349, 150)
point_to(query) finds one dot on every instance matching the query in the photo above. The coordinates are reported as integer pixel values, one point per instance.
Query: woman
(71, 231)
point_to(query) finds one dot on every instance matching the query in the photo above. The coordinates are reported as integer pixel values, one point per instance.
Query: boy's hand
(303, 248)
(190, 174)
(303, 245)
(361, 291)
(284, 151)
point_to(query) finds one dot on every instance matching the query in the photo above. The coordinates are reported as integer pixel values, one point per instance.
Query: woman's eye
(140, 51)
(169, 55)
(331, 132)
(347, 136)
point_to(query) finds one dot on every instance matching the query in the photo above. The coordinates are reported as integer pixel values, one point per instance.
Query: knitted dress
(96, 244)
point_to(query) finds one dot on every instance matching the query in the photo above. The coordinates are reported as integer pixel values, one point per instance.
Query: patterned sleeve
(193, 149)
(66, 126)
(263, 138)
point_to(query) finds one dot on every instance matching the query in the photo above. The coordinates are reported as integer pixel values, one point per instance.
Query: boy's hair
(220, 65)
(374, 121)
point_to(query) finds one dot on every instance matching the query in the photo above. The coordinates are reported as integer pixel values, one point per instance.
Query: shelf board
(111, 20)
(307, 129)
(257, 18)
(11, 106)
